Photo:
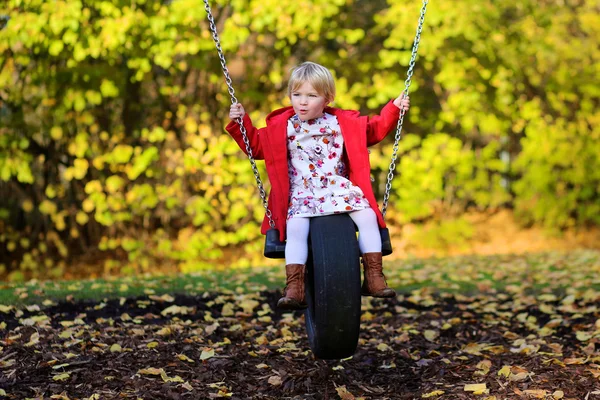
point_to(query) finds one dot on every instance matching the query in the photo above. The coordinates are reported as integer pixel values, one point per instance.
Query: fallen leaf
(183, 357)
(476, 388)
(483, 368)
(432, 394)
(504, 371)
(116, 348)
(150, 371)
(431, 335)
(344, 393)
(275, 380)
(383, 347)
(536, 393)
(61, 377)
(207, 353)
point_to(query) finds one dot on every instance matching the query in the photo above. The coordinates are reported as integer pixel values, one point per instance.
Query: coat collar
(282, 115)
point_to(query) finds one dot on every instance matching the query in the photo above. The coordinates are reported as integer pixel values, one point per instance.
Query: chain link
(407, 82)
(240, 121)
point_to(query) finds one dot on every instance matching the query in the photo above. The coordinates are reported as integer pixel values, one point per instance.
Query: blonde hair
(317, 75)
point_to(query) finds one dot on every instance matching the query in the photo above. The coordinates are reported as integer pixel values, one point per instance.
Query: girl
(318, 163)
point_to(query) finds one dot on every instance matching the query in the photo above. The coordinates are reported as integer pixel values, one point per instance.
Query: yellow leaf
(430, 335)
(166, 331)
(383, 347)
(207, 353)
(262, 340)
(484, 367)
(80, 168)
(367, 316)
(61, 377)
(183, 357)
(27, 206)
(476, 388)
(47, 207)
(81, 218)
(56, 132)
(151, 371)
(432, 394)
(174, 309)
(474, 348)
(584, 336)
(559, 394)
(166, 378)
(249, 305)
(504, 371)
(227, 310)
(33, 339)
(152, 345)
(5, 309)
(116, 348)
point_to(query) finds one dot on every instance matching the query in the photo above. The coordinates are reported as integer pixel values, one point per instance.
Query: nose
(303, 100)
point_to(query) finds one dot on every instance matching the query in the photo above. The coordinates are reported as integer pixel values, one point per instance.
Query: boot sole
(292, 306)
(379, 296)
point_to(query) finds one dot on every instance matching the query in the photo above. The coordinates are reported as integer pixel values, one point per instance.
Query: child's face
(307, 102)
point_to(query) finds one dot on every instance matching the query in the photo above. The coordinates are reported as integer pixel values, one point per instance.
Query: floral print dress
(318, 175)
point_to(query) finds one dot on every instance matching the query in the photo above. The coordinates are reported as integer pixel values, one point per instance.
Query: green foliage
(112, 114)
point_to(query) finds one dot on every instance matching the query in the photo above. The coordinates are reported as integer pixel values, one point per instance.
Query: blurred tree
(112, 113)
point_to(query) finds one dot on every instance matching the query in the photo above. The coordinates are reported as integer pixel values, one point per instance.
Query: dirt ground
(489, 346)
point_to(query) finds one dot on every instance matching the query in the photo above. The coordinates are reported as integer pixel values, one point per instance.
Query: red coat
(270, 144)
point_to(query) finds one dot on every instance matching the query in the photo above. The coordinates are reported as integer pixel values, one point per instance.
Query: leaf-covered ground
(530, 330)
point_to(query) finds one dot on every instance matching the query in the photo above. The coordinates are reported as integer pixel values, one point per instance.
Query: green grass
(34, 292)
(559, 273)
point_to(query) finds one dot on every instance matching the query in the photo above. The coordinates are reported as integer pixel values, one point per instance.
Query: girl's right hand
(236, 111)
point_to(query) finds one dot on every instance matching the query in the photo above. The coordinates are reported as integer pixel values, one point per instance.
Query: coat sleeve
(233, 128)
(378, 126)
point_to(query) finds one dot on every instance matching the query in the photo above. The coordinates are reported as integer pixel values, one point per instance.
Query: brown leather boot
(374, 283)
(293, 294)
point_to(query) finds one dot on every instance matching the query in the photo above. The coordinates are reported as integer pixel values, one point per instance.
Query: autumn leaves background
(113, 158)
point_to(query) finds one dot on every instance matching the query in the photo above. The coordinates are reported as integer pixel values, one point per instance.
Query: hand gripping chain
(407, 82)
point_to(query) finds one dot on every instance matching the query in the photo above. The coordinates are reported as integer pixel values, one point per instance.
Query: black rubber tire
(333, 287)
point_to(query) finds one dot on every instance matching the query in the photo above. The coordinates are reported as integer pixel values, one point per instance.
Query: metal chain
(407, 82)
(240, 121)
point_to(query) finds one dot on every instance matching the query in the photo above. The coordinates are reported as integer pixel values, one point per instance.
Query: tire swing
(333, 283)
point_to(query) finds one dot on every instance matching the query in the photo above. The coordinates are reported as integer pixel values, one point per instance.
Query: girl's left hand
(402, 102)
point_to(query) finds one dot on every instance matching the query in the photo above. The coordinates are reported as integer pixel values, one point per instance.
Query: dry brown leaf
(344, 393)
(536, 393)
(275, 380)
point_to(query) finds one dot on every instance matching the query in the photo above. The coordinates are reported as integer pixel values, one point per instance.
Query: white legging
(296, 248)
